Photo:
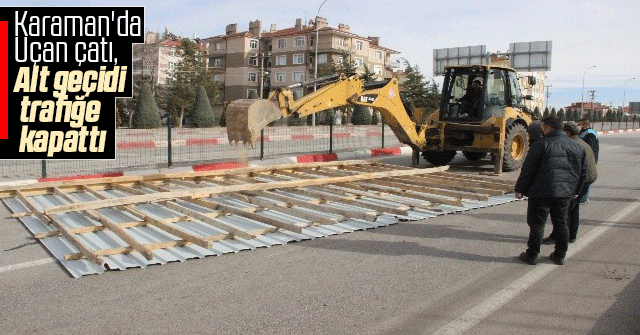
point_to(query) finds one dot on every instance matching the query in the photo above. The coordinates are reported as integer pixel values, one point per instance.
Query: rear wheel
(516, 146)
(474, 156)
(439, 158)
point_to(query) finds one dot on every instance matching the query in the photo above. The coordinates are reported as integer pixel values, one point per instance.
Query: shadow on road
(623, 317)
(391, 248)
(423, 230)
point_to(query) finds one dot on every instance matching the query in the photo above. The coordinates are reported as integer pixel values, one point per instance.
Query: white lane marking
(19, 266)
(476, 314)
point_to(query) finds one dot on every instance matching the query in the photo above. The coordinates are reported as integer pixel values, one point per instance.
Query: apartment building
(156, 57)
(287, 56)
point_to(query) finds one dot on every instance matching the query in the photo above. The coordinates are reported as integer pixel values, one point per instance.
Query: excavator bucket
(246, 117)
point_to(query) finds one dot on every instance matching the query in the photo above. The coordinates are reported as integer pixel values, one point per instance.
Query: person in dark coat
(573, 130)
(553, 173)
(591, 137)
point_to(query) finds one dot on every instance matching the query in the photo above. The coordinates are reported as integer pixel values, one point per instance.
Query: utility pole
(592, 93)
(548, 94)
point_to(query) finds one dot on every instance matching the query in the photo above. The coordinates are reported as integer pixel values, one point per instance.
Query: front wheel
(516, 146)
(439, 158)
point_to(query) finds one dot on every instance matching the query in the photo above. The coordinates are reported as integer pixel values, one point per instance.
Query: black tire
(439, 158)
(473, 155)
(516, 147)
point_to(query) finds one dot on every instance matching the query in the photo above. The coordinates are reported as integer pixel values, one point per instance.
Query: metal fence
(142, 149)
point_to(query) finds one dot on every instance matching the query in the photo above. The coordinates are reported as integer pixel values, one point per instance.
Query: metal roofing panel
(150, 234)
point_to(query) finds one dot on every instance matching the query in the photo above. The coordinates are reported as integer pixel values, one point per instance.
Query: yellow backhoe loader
(481, 112)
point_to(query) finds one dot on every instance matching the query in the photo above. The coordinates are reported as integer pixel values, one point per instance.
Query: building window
(252, 93)
(377, 69)
(298, 76)
(280, 77)
(340, 41)
(322, 59)
(253, 77)
(217, 77)
(282, 43)
(217, 46)
(359, 45)
(253, 61)
(281, 60)
(253, 44)
(299, 41)
(217, 62)
(173, 66)
(339, 60)
(379, 55)
(172, 52)
(357, 61)
(298, 59)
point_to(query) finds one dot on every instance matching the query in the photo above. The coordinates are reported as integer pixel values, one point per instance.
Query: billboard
(530, 56)
(469, 55)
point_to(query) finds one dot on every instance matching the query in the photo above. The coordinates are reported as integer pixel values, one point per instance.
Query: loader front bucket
(246, 117)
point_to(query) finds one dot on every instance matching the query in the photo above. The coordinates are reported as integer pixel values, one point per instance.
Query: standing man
(552, 174)
(573, 222)
(591, 137)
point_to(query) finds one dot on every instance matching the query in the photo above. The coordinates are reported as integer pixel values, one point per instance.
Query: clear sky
(584, 33)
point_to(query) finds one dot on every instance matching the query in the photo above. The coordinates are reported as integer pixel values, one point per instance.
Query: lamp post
(582, 102)
(315, 70)
(548, 95)
(624, 99)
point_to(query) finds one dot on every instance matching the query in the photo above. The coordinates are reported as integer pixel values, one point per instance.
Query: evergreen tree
(414, 88)
(600, 116)
(553, 113)
(536, 111)
(201, 115)
(190, 74)
(146, 114)
(546, 111)
(560, 114)
(375, 117)
(361, 115)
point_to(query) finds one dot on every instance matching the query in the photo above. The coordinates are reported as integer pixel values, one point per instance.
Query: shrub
(146, 115)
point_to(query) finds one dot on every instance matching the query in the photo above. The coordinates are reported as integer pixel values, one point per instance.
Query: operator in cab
(471, 100)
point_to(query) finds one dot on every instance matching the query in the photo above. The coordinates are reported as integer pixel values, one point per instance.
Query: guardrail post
(44, 168)
(169, 153)
(382, 131)
(331, 132)
(262, 144)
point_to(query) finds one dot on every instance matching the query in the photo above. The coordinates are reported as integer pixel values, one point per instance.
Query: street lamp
(315, 70)
(582, 103)
(624, 99)
(548, 95)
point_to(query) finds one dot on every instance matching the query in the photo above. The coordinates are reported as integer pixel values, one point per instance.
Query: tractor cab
(475, 93)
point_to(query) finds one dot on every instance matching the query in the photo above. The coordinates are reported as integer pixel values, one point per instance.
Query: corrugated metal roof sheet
(149, 234)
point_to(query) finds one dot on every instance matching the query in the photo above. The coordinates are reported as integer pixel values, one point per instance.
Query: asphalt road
(446, 275)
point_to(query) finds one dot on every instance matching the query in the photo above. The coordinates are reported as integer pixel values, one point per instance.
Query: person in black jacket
(553, 173)
(591, 137)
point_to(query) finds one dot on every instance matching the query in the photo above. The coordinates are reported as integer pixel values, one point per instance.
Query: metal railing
(146, 149)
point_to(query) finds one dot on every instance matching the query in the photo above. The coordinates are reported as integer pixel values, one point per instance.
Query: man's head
(551, 123)
(584, 123)
(476, 84)
(571, 128)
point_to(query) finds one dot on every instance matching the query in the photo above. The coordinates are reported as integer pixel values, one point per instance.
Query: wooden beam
(114, 227)
(258, 217)
(209, 191)
(203, 242)
(41, 216)
(8, 191)
(208, 219)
